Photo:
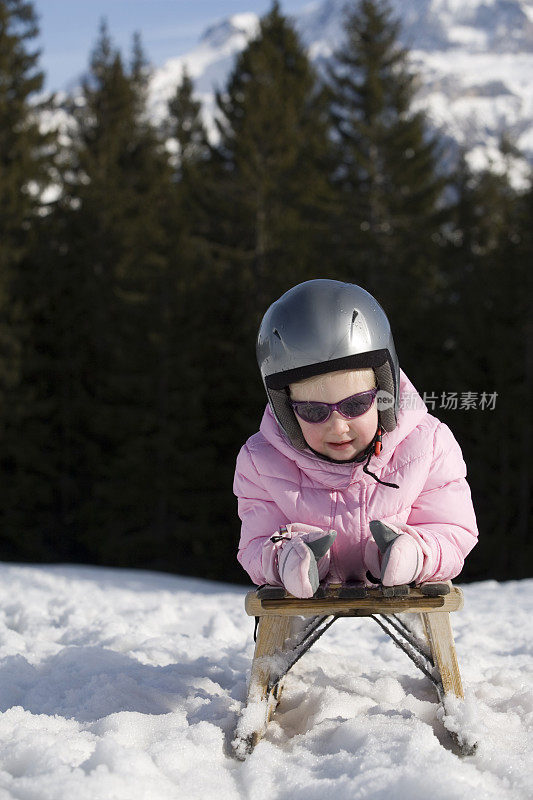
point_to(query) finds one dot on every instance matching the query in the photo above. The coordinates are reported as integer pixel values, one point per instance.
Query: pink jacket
(278, 485)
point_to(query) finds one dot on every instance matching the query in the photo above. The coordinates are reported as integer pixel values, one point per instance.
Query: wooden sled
(282, 638)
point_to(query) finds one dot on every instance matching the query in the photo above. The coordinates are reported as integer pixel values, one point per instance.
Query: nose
(338, 423)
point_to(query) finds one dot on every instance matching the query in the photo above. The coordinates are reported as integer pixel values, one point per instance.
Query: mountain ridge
(474, 58)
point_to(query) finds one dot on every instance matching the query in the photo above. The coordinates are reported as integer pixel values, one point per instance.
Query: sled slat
(375, 603)
(271, 636)
(263, 690)
(440, 637)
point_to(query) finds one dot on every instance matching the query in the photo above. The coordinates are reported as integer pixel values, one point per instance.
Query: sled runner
(282, 638)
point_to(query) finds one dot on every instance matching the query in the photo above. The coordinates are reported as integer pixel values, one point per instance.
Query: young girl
(350, 478)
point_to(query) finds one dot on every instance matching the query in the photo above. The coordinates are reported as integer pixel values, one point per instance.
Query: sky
(168, 28)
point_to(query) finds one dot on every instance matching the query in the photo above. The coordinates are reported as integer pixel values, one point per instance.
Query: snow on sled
(282, 639)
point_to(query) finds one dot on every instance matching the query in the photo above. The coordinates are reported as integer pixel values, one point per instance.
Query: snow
(208, 64)
(128, 685)
(468, 36)
(474, 59)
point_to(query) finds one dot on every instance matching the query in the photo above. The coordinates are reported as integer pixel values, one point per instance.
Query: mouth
(341, 445)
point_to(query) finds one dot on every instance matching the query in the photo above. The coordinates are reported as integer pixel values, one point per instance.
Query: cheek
(313, 434)
(364, 428)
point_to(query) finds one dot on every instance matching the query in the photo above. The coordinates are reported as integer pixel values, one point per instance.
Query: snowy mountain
(128, 685)
(474, 58)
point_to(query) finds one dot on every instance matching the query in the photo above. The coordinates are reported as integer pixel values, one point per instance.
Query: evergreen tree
(269, 198)
(189, 457)
(265, 197)
(386, 179)
(185, 127)
(521, 247)
(118, 249)
(26, 162)
(24, 150)
(487, 349)
(272, 153)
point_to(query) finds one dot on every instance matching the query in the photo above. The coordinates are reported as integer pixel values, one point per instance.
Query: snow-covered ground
(122, 685)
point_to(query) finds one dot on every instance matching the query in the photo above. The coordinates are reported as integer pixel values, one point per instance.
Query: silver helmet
(321, 326)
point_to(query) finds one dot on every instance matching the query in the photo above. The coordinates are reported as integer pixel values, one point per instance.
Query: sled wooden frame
(277, 618)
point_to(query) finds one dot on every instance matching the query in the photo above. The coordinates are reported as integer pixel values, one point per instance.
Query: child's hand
(392, 556)
(298, 558)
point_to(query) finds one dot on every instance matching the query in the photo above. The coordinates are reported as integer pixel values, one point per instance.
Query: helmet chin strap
(378, 441)
(375, 448)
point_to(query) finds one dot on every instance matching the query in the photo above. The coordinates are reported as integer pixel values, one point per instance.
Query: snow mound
(129, 685)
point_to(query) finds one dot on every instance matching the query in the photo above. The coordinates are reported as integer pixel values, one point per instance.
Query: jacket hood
(339, 476)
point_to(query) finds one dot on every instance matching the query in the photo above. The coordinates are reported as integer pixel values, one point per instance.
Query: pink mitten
(298, 558)
(392, 556)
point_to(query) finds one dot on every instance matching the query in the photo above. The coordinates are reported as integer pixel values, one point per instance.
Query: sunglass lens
(312, 412)
(357, 405)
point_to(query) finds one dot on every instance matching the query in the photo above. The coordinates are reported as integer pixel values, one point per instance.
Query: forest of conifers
(137, 259)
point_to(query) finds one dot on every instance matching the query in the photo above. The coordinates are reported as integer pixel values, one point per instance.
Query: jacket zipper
(334, 573)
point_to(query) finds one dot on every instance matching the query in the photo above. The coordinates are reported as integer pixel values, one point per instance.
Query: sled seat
(282, 637)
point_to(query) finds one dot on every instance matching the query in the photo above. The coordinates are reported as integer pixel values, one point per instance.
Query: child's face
(338, 438)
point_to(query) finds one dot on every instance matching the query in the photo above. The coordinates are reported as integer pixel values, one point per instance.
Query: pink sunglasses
(351, 407)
